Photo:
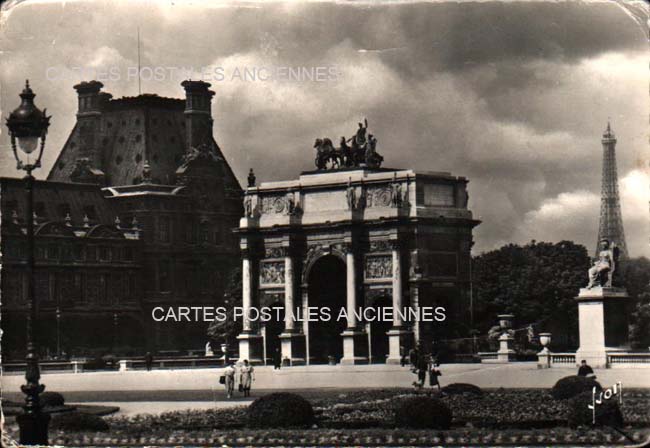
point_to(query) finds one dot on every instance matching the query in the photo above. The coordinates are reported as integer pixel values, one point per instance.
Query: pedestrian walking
(229, 379)
(434, 373)
(148, 361)
(421, 368)
(246, 378)
(277, 359)
(414, 353)
(585, 369)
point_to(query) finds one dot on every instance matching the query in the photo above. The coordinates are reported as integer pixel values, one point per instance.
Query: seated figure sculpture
(602, 272)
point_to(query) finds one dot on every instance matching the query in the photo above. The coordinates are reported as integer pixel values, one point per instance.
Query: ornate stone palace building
(137, 211)
(351, 238)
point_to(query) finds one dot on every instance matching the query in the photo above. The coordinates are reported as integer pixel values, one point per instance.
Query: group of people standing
(423, 364)
(243, 372)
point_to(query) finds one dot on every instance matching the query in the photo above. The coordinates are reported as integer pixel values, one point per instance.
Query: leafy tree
(226, 331)
(537, 283)
(635, 276)
(640, 324)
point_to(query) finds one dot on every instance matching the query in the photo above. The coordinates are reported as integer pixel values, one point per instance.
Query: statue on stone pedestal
(360, 137)
(248, 206)
(602, 272)
(359, 143)
(373, 159)
(395, 192)
(351, 195)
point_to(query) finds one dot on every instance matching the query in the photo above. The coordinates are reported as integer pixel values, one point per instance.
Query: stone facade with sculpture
(352, 237)
(603, 304)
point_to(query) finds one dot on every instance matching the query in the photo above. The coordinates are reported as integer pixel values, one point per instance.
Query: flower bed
(496, 408)
(503, 416)
(358, 437)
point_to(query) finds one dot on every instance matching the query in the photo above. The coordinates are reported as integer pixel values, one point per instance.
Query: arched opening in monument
(272, 330)
(327, 289)
(377, 330)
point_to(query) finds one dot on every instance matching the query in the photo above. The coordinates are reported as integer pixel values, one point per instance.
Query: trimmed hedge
(570, 386)
(280, 410)
(422, 412)
(607, 413)
(462, 388)
(78, 421)
(51, 399)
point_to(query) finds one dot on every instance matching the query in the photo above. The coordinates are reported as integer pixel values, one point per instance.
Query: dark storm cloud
(512, 95)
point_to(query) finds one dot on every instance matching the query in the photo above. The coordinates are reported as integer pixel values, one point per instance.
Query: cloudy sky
(514, 95)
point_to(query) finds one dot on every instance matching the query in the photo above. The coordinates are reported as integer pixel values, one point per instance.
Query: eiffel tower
(611, 220)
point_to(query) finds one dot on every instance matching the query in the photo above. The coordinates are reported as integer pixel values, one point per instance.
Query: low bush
(607, 412)
(78, 421)
(51, 399)
(462, 388)
(422, 412)
(280, 410)
(570, 386)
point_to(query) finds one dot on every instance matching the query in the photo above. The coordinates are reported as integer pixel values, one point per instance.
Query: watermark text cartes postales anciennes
(308, 314)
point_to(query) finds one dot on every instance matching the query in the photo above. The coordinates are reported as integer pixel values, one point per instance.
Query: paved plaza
(512, 375)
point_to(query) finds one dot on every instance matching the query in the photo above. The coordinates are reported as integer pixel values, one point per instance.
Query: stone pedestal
(505, 352)
(397, 337)
(544, 357)
(355, 347)
(602, 314)
(251, 347)
(293, 348)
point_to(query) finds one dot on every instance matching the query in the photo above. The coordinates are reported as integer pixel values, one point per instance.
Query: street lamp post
(58, 332)
(28, 128)
(115, 334)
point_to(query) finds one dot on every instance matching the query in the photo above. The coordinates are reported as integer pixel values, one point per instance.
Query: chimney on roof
(90, 98)
(198, 113)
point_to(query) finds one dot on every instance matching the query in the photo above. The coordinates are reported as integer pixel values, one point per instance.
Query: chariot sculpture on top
(361, 153)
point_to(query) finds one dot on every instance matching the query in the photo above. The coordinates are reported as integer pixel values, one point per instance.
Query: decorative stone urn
(505, 321)
(544, 357)
(545, 340)
(505, 352)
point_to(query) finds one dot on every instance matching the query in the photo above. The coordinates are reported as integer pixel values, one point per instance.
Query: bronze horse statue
(326, 154)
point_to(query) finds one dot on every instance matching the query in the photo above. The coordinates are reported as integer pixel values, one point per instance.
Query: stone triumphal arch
(353, 238)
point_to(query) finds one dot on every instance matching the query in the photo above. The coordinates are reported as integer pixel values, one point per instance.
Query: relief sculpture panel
(274, 204)
(378, 197)
(379, 267)
(272, 273)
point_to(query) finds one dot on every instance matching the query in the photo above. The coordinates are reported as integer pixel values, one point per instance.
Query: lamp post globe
(27, 128)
